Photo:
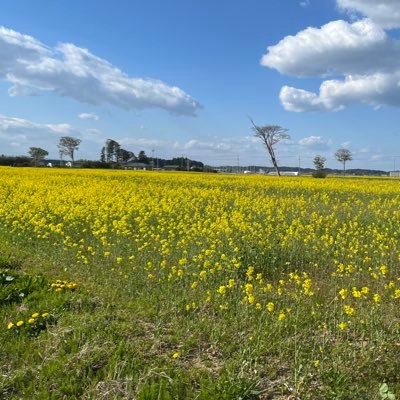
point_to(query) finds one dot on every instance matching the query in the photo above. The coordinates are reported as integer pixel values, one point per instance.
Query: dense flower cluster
(59, 285)
(265, 244)
(32, 325)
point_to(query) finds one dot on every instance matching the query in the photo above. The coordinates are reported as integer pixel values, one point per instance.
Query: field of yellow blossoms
(201, 286)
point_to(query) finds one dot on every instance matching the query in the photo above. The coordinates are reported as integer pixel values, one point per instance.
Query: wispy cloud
(20, 134)
(71, 71)
(315, 143)
(305, 3)
(90, 116)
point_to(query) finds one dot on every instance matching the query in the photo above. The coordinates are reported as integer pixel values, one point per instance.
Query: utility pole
(152, 159)
(238, 164)
(299, 166)
(187, 164)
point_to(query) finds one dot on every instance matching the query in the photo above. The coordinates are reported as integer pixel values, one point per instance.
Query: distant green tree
(37, 154)
(67, 146)
(125, 155)
(319, 163)
(343, 155)
(142, 157)
(113, 152)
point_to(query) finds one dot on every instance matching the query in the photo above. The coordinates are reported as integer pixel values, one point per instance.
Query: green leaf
(384, 388)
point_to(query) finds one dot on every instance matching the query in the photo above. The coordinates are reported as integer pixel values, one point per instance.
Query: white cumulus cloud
(362, 53)
(336, 48)
(71, 71)
(334, 95)
(385, 13)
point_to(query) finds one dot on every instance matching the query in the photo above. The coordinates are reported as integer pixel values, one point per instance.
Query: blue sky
(182, 77)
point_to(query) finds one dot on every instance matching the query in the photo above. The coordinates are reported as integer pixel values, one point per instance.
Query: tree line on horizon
(112, 155)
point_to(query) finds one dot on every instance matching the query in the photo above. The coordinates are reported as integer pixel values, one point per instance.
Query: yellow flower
(222, 290)
(248, 287)
(365, 290)
(35, 315)
(281, 316)
(343, 293)
(270, 307)
(20, 323)
(176, 354)
(349, 310)
(10, 325)
(268, 287)
(194, 285)
(72, 285)
(250, 272)
(383, 269)
(45, 315)
(31, 320)
(342, 326)
(377, 298)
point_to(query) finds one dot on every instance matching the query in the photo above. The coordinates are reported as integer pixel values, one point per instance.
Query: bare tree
(67, 146)
(270, 135)
(343, 155)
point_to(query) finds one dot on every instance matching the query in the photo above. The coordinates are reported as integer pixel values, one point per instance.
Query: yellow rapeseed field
(285, 253)
(269, 238)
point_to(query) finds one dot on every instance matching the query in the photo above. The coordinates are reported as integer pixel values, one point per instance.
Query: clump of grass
(15, 287)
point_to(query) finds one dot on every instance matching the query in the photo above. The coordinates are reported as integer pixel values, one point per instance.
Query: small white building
(284, 173)
(136, 166)
(394, 173)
